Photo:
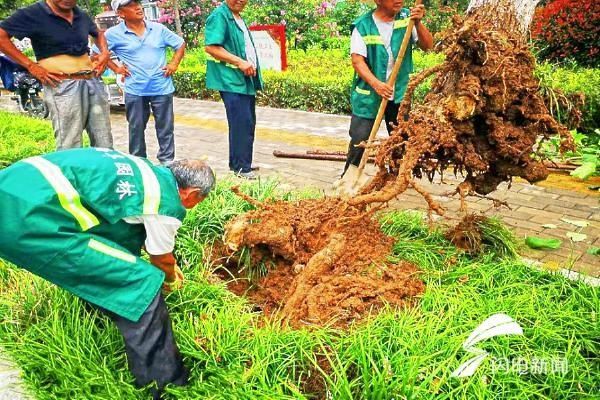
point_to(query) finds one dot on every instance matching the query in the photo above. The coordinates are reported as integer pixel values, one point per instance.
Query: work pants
(152, 354)
(360, 128)
(137, 110)
(75, 105)
(241, 117)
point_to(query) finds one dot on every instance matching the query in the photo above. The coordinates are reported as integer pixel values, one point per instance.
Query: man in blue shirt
(141, 47)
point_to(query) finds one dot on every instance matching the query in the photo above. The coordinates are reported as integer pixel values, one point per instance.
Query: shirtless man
(75, 94)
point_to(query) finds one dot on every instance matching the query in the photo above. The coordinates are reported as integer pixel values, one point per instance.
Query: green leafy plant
(542, 243)
(568, 85)
(587, 153)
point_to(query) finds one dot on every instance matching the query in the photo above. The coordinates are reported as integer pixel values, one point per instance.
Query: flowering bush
(308, 22)
(192, 13)
(568, 29)
(323, 23)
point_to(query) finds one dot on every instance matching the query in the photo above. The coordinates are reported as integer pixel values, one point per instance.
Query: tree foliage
(7, 7)
(568, 29)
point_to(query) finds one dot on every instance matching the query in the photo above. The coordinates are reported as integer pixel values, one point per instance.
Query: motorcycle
(25, 87)
(115, 86)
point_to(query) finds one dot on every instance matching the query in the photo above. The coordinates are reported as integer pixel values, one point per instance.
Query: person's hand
(417, 13)
(170, 69)
(178, 275)
(247, 68)
(43, 75)
(173, 280)
(122, 70)
(383, 89)
(174, 275)
(100, 62)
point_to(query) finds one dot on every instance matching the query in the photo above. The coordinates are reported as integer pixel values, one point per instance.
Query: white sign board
(267, 50)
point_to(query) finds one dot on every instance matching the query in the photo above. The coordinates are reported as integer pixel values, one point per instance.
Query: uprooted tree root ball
(332, 261)
(482, 116)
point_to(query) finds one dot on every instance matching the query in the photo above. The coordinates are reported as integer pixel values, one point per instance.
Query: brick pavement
(11, 386)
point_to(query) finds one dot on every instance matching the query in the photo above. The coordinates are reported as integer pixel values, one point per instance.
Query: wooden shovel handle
(391, 81)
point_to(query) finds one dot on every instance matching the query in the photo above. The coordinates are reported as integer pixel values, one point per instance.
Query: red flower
(568, 28)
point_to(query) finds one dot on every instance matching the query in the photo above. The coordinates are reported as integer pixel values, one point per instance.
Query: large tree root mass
(482, 117)
(332, 261)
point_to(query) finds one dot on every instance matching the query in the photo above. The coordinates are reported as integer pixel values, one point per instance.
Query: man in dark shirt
(75, 95)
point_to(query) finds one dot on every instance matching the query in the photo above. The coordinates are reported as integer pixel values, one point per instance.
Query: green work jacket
(222, 30)
(364, 100)
(62, 219)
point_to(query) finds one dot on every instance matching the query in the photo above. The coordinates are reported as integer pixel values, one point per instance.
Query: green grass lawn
(69, 351)
(22, 136)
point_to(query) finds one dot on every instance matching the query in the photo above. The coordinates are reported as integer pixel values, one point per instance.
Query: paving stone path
(11, 387)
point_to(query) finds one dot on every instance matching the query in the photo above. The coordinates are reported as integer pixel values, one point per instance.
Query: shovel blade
(349, 185)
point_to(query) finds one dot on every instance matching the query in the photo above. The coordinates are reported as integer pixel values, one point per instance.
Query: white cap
(115, 4)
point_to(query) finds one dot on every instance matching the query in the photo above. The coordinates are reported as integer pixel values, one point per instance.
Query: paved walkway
(201, 131)
(11, 386)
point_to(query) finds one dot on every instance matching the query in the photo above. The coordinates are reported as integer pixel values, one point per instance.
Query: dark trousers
(360, 128)
(241, 117)
(152, 353)
(137, 109)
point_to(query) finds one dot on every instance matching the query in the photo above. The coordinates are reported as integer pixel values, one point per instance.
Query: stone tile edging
(11, 383)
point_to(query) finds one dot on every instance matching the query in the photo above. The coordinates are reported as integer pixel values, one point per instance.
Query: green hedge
(22, 137)
(313, 82)
(321, 81)
(572, 80)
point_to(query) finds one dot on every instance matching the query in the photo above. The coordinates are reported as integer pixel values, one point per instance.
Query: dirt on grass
(483, 117)
(329, 262)
(467, 234)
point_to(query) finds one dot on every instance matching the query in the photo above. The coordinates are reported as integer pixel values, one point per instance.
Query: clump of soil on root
(482, 116)
(332, 261)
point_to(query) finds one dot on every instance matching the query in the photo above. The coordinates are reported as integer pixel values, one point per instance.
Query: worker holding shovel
(375, 46)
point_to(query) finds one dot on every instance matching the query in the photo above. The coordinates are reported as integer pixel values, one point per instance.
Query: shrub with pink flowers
(192, 13)
(308, 22)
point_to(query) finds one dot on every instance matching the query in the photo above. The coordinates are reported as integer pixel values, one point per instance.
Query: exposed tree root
(482, 116)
